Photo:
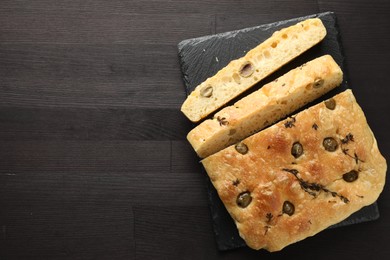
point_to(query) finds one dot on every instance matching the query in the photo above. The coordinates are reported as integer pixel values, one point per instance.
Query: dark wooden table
(93, 158)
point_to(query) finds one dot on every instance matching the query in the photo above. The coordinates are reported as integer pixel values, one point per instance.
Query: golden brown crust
(265, 106)
(261, 61)
(324, 186)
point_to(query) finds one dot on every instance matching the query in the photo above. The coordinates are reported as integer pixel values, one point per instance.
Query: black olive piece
(351, 176)
(241, 148)
(246, 69)
(288, 208)
(297, 149)
(207, 91)
(330, 144)
(244, 199)
(330, 104)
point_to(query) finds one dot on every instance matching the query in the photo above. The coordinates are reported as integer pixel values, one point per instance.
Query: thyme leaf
(236, 182)
(313, 188)
(290, 123)
(266, 229)
(222, 121)
(348, 137)
(269, 217)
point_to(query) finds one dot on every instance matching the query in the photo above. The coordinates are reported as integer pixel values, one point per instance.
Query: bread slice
(301, 175)
(265, 106)
(239, 75)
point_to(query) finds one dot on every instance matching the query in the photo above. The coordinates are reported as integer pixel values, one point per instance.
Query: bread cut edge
(241, 74)
(265, 106)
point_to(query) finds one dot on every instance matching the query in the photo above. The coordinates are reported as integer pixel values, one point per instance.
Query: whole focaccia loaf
(241, 74)
(300, 176)
(265, 106)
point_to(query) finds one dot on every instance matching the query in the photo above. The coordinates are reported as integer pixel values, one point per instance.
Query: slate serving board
(200, 58)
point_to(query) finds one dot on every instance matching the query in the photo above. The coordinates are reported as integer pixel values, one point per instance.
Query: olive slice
(288, 208)
(351, 176)
(244, 199)
(318, 83)
(297, 149)
(330, 144)
(246, 69)
(330, 104)
(241, 148)
(207, 91)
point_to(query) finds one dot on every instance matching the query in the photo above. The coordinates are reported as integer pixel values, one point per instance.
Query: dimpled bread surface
(301, 175)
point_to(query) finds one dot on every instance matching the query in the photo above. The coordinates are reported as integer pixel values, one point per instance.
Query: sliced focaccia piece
(265, 106)
(241, 74)
(300, 176)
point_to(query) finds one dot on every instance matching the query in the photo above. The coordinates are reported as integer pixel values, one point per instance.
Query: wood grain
(158, 229)
(94, 163)
(227, 22)
(92, 156)
(56, 123)
(62, 26)
(90, 75)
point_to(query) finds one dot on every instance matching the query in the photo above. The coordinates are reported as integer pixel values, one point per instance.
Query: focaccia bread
(241, 74)
(265, 106)
(298, 177)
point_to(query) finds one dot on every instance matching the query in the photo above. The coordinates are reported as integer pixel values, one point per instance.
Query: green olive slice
(247, 69)
(244, 199)
(351, 176)
(330, 104)
(330, 144)
(207, 91)
(297, 149)
(288, 208)
(241, 148)
(318, 83)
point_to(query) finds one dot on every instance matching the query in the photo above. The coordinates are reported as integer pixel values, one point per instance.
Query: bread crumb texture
(262, 108)
(241, 74)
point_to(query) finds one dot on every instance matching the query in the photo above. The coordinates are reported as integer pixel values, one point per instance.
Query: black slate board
(202, 57)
